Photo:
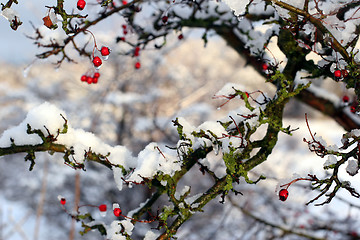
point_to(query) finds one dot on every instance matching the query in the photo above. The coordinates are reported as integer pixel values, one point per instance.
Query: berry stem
(95, 45)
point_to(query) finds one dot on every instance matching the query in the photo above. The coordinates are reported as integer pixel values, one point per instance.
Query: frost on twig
(337, 156)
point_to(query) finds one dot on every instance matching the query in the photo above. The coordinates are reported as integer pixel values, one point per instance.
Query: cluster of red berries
(137, 54)
(93, 77)
(103, 208)
(353, 104)
(105, 52)
(90, 79)
(96, 61)
(124, 27)
(340, 74)
(137, 51)
(81, 4)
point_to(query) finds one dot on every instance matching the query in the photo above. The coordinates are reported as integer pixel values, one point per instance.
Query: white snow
(353, 167)
(185, 189)
(150, 235)
(150, 161)
(355, 132)
(44, 115)
(228, 89)
(10, 14)
(118, 174)
(330, 161)
(116, 227)
(238, 6)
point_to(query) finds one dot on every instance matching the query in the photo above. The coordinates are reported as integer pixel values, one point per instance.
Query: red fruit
(81, 4)
(97, 61)
(123, 26)
(353, 109)
(62, 201)
(345, 73)
(102, 208)
(121, 39)
(124, 2)
(346, 98)
(337, 73)
(137, 52)
(96, 75)
(105, 51)
(95, 80)
(125, 32)
(137, 65)
(117, 212)
(164, 19)
(180, 36)
(265, 66)
(283, 194)
(83, 78)
(89, 80)
(247, 95)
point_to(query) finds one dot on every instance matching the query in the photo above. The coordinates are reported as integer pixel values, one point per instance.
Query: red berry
(105, 51)
(124, 2)
(345, 73)
(265, 66)
(89, 80)
(125, 32)
(102, 208)
(95, 80)
(117, 212)
(62, 201)
(283, 194)
(137, 65)
(346, 98)
(121, 39)
(164, 19)
(83, 78)
(137, 51)
(247, 95)
(123, 26)
(353, 109)
(81, 4)
(97, 61)
(96, 75)
(337, 73)
(180, 36)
